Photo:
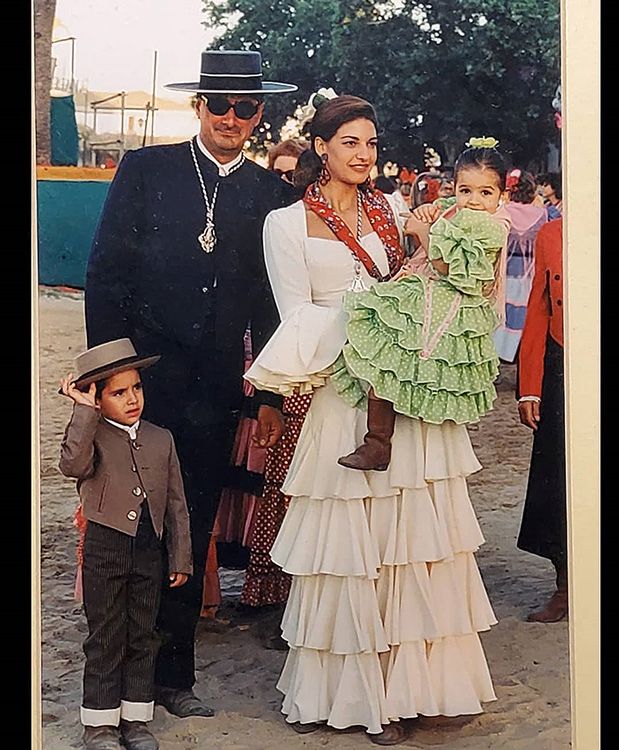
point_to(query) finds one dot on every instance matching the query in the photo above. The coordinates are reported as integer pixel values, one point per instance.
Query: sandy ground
(235, 674)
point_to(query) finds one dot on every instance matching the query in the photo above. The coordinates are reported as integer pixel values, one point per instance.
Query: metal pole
(152, 102)
(145, 124)
(122, 122)
(73, 66)
(86, 139)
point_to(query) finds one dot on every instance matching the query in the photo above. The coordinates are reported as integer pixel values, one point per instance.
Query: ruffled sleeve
(469, 243)
(445, 203)
(310, 337)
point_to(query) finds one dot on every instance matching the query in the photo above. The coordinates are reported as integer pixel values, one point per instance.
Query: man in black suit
(177, 266)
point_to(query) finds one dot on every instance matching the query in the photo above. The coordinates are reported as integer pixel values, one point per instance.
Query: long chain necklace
(207, 238)
(358, 284)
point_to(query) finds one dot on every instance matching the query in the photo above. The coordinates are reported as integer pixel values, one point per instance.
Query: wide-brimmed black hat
(232, 72)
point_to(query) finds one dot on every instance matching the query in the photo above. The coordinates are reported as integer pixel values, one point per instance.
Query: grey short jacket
(115, 475)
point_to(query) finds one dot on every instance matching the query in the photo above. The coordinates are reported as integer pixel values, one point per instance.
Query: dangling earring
(325, 175)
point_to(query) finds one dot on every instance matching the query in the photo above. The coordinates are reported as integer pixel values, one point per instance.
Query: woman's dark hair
(329, 117)
(524, 190)
(292, 147)
(304, 172)
(481, 158)
(554, 180)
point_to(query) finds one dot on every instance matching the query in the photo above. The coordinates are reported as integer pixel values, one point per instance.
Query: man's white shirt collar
(132, 430)
(224, 169)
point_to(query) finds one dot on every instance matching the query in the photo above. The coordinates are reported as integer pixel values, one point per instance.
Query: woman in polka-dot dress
(265, 582)
(421, 344)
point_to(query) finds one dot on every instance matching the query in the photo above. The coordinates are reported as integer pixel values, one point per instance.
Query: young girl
(423, 341)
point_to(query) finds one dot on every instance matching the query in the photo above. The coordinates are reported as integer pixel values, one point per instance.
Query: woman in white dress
(386, 601)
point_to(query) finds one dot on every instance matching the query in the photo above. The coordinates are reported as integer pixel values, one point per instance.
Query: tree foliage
(437, 72)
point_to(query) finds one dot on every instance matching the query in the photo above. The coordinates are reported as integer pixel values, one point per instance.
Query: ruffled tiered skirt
(423, 346)
(386, 601)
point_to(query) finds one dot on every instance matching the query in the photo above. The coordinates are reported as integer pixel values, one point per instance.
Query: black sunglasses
(285, 174)
(219, 105)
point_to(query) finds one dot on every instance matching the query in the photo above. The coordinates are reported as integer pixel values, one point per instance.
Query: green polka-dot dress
(424, 342)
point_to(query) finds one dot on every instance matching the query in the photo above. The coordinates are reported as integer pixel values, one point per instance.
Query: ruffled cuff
(445, 203)
(468, 243)
(299, 356)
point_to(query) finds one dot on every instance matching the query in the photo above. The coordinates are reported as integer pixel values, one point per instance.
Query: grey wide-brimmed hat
(232, 72)
(109, 359)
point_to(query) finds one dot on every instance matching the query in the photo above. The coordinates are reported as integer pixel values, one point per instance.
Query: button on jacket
(116, 475)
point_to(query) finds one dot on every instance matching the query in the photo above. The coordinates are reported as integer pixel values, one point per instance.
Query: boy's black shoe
(182, 703)
(135, 736)
(102, 738)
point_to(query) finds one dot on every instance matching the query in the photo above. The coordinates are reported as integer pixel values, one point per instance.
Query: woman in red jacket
(543, 530)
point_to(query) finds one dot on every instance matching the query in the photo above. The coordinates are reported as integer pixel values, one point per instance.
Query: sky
(116, 40)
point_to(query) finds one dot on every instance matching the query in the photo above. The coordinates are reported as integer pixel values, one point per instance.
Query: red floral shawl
(381, 218)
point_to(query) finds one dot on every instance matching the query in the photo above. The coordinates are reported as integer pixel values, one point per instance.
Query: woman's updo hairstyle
(330, 115)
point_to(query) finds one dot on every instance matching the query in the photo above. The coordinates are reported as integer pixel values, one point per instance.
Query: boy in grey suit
(132, 496)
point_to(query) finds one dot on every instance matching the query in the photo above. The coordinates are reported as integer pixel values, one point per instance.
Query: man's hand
(529, 412)
(177, 579)
(270, 426)
(67, 387)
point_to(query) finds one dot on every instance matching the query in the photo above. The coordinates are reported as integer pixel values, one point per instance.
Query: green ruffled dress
(423, 343)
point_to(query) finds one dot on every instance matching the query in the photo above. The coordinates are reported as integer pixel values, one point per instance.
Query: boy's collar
(132, 430)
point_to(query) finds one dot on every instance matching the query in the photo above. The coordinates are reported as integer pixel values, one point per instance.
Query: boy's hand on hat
(68, 388)
(177, 579)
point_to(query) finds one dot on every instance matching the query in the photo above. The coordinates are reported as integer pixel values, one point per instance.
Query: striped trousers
(122, 588)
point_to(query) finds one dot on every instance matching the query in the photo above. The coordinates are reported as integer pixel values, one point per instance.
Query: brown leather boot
(556, 607)
(554, 610)
(374, 453)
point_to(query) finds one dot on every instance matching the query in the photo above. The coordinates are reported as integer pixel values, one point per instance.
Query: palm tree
(44, 12)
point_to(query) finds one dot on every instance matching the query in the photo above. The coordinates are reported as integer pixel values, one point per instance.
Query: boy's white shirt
(131, 429)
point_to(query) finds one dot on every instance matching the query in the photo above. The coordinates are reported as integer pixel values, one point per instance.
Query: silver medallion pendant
(358, 284)
(208, 239)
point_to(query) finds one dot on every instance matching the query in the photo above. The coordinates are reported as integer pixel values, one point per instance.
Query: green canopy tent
(63, 131)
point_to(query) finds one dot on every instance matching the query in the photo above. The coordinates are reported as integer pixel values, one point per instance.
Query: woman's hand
(88, 398)
(427, 213)
(405, 271)
(270, 427)
(177, 579)
(529, 413)
(415, 225)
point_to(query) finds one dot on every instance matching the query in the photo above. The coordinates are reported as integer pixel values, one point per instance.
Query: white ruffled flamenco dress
(387, 601)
